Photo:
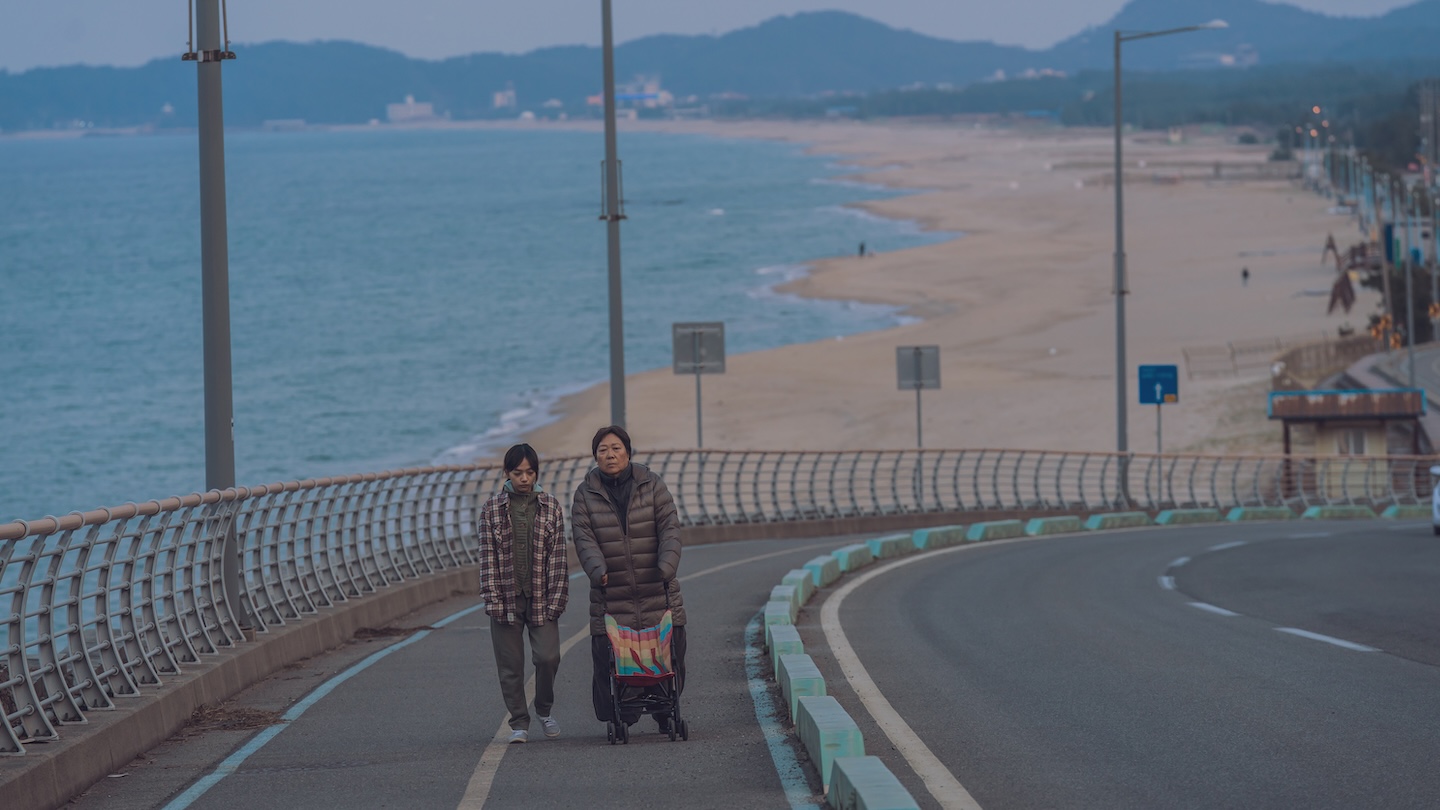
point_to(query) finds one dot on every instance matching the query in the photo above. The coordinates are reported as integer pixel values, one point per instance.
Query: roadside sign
(1159, 385)
(699, 348)
(918, 367)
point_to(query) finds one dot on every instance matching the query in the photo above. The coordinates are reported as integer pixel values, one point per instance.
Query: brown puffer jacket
(640, 563)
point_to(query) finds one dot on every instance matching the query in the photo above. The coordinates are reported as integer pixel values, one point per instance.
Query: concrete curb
(1117, 520)
(1406, 511)
(1177, 517)
(798, 677)
(939, 537)
(824, 570)
(853, 557)
(891, 546)
(1241, 513)
(1339, 512)
(864, 783)
(1053, 525)
(50, 775)
(994, 530)
(827, 731)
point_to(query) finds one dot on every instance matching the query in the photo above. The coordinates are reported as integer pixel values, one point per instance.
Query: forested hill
(811, 55)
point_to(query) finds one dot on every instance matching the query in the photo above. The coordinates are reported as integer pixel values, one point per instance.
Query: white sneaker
(551, 726)
(519, 735)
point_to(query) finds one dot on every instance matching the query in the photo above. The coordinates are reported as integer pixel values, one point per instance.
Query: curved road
(1273, 665)
(1181, 667)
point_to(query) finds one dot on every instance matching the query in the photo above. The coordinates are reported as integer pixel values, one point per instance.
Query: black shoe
(664, 722)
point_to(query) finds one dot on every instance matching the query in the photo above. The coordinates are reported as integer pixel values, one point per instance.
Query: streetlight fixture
(1122, 441)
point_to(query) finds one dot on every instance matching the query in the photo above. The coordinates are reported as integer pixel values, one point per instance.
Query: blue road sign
(1159, 385)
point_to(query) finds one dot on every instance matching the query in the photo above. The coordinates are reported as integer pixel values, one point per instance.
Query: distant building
(504, 99)
(643, 93)
(409, 111)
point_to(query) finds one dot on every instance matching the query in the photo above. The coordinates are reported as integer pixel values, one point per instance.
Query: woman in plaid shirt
(525, 585)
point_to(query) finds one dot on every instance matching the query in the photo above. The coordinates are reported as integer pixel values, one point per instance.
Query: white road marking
(1213, 609)
(1168, 583)
(942, 784)
(1338, 642)
(477, 791)
(1224, 546)
(1306, 535)
(1179, 561)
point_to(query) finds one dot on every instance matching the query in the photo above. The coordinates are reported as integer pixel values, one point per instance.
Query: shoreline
(1021, 306)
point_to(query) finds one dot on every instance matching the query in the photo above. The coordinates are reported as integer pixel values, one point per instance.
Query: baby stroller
(642, 679)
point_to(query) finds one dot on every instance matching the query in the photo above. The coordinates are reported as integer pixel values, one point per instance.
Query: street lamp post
(1122, 442)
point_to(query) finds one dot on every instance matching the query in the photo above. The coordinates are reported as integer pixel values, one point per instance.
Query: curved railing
(96, 605)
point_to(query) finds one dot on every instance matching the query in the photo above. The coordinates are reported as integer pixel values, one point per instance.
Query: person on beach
(524, 581)
(1244, 277)
(862, 250)
(627, 536)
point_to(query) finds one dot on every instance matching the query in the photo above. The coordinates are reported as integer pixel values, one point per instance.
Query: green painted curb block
(1053, 525)
(995, 530)
(864, 783)
(782, 639)
(1240, 513)
(853, 557)
(786, 593)
(938, 537)
(824, 570)
(1177, 517)
(798, 677)
(827, 732)
(1406, 511)
(1117, 520)
(1347, 511)
(894, 545)
(803, 582)
(779, 613)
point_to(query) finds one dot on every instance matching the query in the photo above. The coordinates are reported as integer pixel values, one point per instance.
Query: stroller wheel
(684, 729)
(624, 733)
(610, 732)
(674, 728)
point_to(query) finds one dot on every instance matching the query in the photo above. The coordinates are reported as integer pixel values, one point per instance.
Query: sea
(398, 298)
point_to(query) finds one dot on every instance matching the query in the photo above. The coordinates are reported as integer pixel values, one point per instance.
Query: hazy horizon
(101, 32)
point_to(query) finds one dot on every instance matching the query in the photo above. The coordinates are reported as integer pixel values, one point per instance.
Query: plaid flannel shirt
(549, 569)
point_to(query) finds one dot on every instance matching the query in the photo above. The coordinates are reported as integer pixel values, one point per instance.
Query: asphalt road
(1068, 673)
(1138, 669)
(410, 730)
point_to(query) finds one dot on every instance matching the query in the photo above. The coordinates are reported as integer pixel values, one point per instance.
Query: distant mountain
(802, 55)
(1259, 33)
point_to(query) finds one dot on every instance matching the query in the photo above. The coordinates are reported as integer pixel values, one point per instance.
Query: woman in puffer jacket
(627, 537)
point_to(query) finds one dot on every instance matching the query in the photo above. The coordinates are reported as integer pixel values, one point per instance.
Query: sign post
(699, 348)
(918, 367)
(1159, 385)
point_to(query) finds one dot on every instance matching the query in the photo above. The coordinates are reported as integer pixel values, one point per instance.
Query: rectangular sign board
(699, 347)
(1159, 385)
(918, 367)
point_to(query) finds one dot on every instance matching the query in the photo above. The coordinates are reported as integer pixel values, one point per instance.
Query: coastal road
(1182, 667)
(1271, 665)
(415, 728)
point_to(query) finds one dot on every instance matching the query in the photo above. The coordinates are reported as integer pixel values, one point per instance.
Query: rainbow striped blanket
(641, 652)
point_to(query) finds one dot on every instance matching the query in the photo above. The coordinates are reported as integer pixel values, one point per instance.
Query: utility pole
(614, 212)
(215, 280)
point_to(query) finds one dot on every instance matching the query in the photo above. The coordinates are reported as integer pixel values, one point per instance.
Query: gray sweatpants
(509, 643)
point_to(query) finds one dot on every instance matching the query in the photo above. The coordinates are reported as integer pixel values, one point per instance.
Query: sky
(125, 33)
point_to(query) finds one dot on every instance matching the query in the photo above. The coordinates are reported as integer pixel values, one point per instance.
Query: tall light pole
(1122, 441)
(214, 48)
(614, 212)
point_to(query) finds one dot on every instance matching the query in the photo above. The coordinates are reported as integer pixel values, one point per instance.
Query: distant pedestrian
(1244, 277)
(862, 250)
(525, 583)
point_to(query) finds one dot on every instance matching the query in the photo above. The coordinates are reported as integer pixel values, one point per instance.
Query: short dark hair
(521, 452)
(606, 431)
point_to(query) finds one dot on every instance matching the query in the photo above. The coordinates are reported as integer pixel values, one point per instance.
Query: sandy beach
(1020, 303)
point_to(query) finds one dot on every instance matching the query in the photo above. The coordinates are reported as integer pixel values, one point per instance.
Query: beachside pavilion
(1352, 423)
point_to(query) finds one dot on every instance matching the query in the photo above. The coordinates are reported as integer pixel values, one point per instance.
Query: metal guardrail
(95, 606)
